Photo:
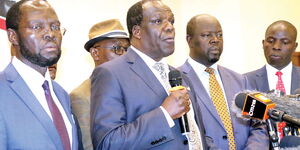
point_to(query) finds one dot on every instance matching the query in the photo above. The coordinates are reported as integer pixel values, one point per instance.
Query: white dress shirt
(286, 77)
(34, 81)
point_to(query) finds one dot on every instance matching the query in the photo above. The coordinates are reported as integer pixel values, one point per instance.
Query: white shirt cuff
(168, 117)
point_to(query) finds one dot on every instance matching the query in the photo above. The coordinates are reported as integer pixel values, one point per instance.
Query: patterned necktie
(218, 99)
(280, 85)
(57, 118)
(163, 74)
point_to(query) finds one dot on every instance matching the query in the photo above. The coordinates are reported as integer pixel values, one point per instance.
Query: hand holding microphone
(177, 104)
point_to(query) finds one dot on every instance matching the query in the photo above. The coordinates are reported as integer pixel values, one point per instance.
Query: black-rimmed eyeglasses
(119, 50)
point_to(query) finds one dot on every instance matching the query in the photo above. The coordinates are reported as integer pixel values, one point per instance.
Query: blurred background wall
(244, 23)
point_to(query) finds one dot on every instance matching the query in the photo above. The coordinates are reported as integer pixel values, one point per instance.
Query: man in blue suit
(35, 111)
(130, 105)
(279, 45)
(205, 40)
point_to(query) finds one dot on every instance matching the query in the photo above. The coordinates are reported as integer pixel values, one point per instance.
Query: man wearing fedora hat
(107, 40)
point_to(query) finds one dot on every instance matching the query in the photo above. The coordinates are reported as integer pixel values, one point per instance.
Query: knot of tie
(210, 70)
(46, 85)
(279, 73)
(161, 69)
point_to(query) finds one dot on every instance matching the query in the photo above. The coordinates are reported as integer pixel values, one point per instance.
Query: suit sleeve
(110, 128)
(258, 136)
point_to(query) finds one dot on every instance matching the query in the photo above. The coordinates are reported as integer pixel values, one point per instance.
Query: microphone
(175, 80)
(256, 105)
(290, 142)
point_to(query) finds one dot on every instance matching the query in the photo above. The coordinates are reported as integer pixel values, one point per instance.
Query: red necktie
(57, 118)
(280, 85)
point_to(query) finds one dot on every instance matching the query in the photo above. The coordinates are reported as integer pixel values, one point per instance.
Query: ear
(136, 31)
(94, 53)
(188, 39)
(13, 37)
(296, 45)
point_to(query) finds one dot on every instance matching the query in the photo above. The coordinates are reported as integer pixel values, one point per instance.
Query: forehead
(280, 31)
(207, 25)
(37, 10)
(153, 8)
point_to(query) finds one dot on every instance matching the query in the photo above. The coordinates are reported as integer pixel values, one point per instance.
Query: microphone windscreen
(175, 78)
(240, 100)
(290, 142)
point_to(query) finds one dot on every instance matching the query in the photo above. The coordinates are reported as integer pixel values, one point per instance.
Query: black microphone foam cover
(240, 100)
(175, 78)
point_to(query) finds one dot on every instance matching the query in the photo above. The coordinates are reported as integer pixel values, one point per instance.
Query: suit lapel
(295, 83)
(261, 80)
(19, 86)
(63, 99)
(200, 91)
(143, 71)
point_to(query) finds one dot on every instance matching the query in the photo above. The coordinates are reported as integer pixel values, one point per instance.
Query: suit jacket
(24, 124)
(125, 111)
(80, 102)
(246, 137)
(259, 79)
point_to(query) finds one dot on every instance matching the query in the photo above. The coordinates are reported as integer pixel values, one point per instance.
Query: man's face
(157, 31)
(279, 45)
(206, 44)
(39, 34)
(108, 49)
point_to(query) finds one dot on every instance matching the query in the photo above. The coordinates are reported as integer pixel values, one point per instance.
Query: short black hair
(135, 15)
(13, 16)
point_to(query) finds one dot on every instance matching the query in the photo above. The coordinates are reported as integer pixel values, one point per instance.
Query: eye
(270, 40)
(36, 27)
(55, 27)
(172, 21)
(205, 35)
(156, 21)
(220, 35)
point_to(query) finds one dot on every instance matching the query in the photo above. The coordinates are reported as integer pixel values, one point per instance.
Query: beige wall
(243, 21)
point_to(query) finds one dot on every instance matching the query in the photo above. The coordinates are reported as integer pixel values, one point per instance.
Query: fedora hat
(106, 29)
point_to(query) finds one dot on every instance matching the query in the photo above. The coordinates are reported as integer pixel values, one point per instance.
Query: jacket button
(224, 137)
(185, 142)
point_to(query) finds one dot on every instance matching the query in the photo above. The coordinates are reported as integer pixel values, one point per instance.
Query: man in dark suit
(130, 105)
(279, 45)
(205, 40)
(35, 112)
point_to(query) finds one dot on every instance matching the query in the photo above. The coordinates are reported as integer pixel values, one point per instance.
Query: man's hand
(177, 103)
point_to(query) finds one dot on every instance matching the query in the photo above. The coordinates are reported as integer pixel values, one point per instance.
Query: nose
(169, 27)
(214, 39)
(276, 45)
(49, 34)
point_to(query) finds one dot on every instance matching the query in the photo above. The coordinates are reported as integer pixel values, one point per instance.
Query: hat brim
(117, 35)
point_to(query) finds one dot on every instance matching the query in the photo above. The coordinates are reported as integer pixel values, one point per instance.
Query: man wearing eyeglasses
(35, 111)
(107, 40)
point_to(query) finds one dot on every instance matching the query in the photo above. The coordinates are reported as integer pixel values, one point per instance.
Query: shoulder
(255, 72)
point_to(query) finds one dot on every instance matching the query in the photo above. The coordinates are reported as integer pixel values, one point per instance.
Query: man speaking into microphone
(216, 87)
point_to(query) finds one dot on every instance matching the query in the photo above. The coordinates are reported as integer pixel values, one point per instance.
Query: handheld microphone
(257, 106)
(175, 80)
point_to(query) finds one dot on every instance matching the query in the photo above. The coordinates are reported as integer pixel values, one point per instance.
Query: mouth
(275, 57)
(50, 47)
(169, 39)
(214, 50)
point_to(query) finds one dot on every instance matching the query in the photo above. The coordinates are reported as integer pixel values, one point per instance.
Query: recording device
(175, 80)
(290, 142)
(256, 105)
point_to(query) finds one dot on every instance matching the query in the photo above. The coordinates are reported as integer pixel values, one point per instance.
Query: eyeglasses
(39, 28)
(119, 50)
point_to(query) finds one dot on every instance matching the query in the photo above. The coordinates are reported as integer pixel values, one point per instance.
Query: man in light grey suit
(35, 112)
(130, 105)
(205, 40)
(107, 41)
(279, 45)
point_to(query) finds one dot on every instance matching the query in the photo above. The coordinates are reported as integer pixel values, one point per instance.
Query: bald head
(283, 25)
(205, 39)
(280, 43)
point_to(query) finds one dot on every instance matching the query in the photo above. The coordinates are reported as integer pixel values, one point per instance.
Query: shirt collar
(285, 70)
(200, 66)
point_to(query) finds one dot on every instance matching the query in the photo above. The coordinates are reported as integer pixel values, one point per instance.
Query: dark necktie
(57, 118)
